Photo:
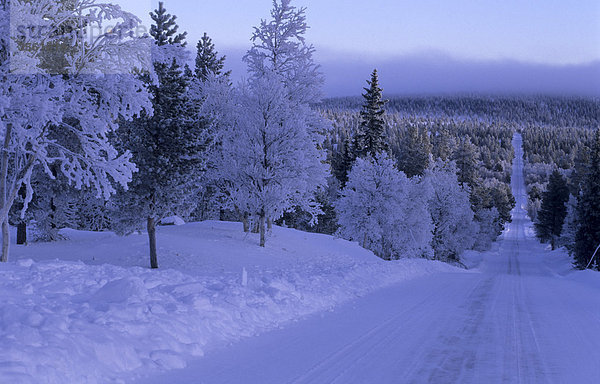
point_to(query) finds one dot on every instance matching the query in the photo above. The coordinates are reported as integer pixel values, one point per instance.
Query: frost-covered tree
(269, 158)
(370, 140)
(385, 211)
(268, 161)
(551, 217)
(64, 119)
(279, 46)
(168, 146)
(489, 227)
(450, 210)
(208, 61)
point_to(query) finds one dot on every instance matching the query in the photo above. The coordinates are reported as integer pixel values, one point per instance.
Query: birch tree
(63, 116)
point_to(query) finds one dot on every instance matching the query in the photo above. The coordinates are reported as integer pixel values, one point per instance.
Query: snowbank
(561, 264)
(73, 321)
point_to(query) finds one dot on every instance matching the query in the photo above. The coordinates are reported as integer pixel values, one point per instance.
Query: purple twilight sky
(422, 47)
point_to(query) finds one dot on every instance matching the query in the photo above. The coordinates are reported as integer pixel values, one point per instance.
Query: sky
(421, 47)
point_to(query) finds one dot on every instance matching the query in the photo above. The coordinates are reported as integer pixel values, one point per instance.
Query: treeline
(482, 152)
(451, 179)
(518, 110)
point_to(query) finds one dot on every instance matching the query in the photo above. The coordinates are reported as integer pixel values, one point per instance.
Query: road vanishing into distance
(511, 320)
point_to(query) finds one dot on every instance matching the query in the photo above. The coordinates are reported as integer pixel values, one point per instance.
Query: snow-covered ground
(523, 317)
(88, 310)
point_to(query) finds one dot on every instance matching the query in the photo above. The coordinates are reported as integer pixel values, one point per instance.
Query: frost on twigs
(75, 37)
(60, 99)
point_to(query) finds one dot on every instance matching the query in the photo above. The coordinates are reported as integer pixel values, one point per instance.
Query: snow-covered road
(512, 320)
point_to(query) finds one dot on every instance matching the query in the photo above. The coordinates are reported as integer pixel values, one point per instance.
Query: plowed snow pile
(88, 310)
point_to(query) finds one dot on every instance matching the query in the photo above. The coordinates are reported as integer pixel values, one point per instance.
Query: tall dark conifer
(467, 161)
(587, 238)
(551, 216)
(207, 60)
(166, 146)
(370, 141)
(165, 28)
(414, 151)
(342, 162)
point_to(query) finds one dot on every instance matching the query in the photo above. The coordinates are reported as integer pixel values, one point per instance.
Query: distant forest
(558, 135)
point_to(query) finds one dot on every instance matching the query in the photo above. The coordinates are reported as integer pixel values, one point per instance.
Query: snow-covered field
(87, 309)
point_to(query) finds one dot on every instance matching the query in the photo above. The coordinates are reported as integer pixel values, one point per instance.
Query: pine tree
(342, 162)
(167, 146)
(443, 144)
(208, 61)
(466, 158)
(569, 231)
(414, 151)
(551, 216)
(370, 141)
(164, 30)
(587, 238)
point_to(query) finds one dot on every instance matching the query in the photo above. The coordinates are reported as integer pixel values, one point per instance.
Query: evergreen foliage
(168, 145)
(553, 210)
(164, 30)
(414, 151)
(587, 238)
(208, 62)
(370, 140)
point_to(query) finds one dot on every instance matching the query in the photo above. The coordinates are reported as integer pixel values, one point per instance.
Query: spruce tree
(342, 162)
(208, 61)
(551, 216)
(414, 151)
(466, 158)
(164, 30)
(370, 141)
(587, 238)
(442, 143)
(167, 146)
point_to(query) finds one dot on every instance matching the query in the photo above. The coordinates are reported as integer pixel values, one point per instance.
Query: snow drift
(73, 321)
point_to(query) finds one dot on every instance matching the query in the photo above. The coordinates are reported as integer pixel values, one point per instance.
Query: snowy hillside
(84, 310)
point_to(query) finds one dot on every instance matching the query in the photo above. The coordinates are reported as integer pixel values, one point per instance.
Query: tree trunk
(3, 195)
(22, 233)
(151, 225)
(553, 242)
(269, 224)
(261, 224)
(221, 214)
(5, 240)
(246, 221)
